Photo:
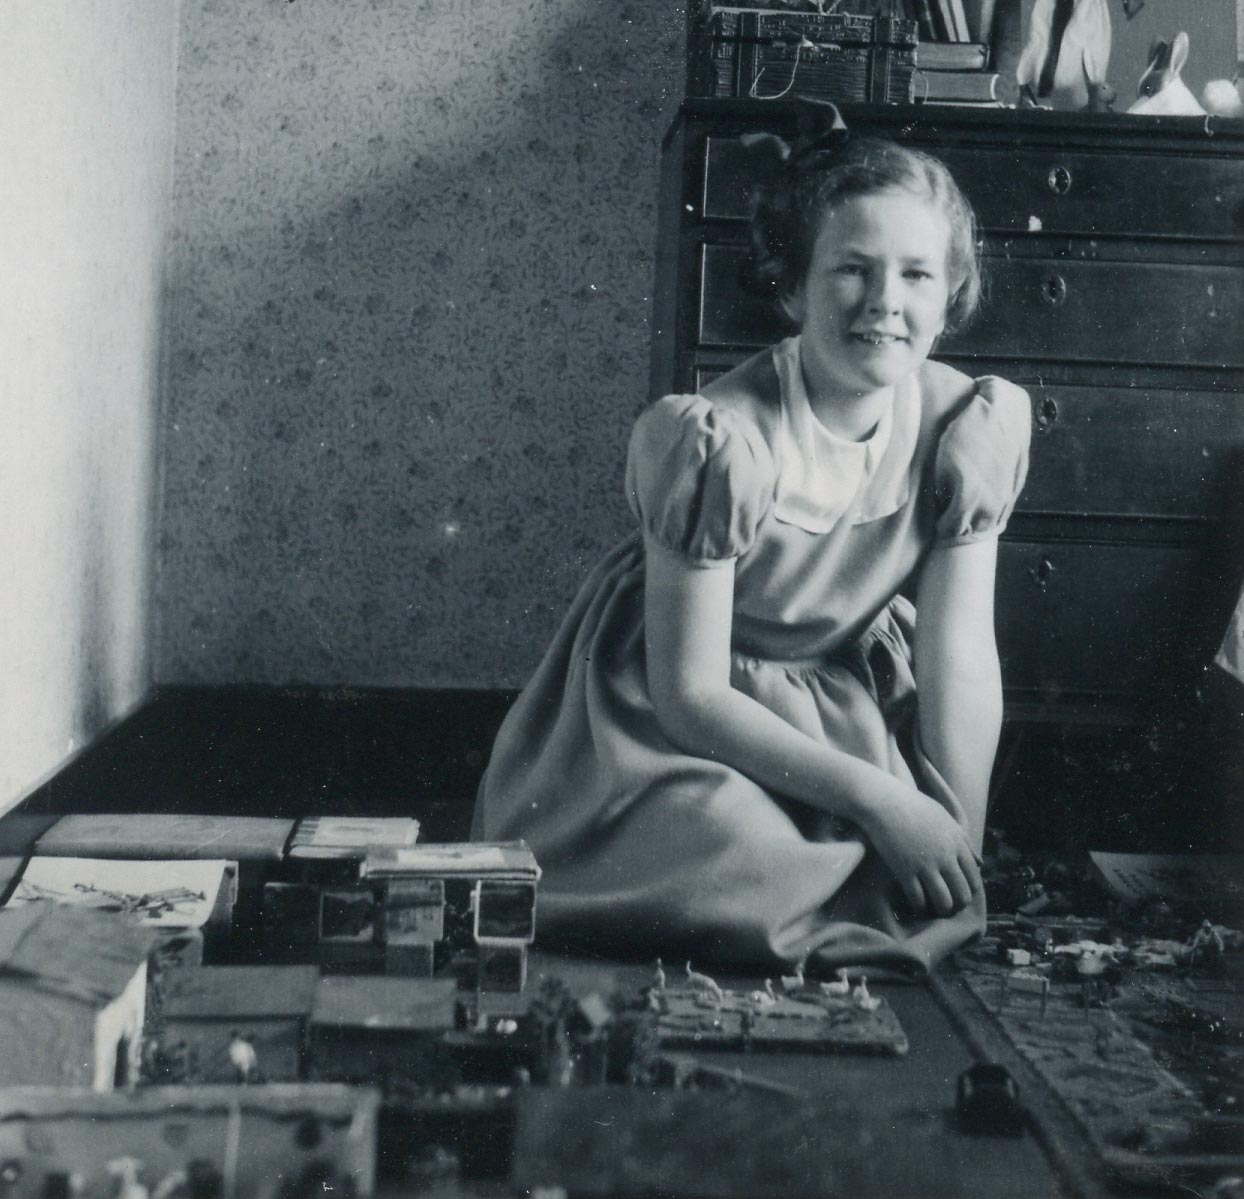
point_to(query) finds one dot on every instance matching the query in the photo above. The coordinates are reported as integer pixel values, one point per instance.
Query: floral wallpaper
(410, 304)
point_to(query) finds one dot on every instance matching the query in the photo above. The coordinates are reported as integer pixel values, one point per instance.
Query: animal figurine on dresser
(1161, 91)
(1222, 97)
(1066, 55)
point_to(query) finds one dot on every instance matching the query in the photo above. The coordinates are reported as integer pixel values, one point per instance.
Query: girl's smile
(872, 305)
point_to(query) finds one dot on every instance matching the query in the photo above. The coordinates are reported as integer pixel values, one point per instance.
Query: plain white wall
(86, 147)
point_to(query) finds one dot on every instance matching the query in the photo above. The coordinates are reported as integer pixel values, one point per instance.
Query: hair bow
(821, 131)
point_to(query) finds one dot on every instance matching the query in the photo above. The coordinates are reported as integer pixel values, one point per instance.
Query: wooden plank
(620, 1142)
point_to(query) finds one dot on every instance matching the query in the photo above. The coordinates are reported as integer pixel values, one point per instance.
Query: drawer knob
(1042, 573)
(1047, 413)
(1059, 180)
(1054, 290)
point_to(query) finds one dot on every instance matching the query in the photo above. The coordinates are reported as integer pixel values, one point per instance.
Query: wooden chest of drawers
(1115, 293)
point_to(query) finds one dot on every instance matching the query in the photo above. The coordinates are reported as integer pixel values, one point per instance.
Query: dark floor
(296, 752)
(291, 752)
(1158, 784)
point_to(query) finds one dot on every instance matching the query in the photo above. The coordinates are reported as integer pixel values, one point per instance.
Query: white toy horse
(1161, 91)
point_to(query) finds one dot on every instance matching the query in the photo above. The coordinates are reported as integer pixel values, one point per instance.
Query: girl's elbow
(684, 718)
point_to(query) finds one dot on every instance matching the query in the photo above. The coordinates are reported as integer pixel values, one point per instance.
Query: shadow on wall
(410, 334)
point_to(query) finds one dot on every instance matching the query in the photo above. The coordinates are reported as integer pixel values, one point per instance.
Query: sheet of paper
(162, 894)
(1173, 876)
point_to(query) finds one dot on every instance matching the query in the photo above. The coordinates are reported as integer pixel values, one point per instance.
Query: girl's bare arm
(688, 618)
(958, 680)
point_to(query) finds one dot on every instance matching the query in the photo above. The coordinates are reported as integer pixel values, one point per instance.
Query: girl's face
(875, 297)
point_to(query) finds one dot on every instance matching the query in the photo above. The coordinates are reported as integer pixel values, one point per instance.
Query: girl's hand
(926, 849)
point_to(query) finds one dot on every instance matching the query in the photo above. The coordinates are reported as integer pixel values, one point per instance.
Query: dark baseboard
(282, 751)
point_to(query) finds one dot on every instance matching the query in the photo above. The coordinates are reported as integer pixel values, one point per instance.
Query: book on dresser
(952, 22)
(980, 15)
(941, 20)
(928, 22)
(978, 87)
(951, 56)
(958, 21)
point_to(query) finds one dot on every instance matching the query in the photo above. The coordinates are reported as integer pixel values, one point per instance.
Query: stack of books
(956, 73)
(953, 61)
(956, 20)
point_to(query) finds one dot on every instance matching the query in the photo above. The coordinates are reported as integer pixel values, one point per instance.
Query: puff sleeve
(699, 478)
(981, 463)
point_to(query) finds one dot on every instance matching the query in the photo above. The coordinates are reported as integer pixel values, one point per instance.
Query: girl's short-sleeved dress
(647, 849)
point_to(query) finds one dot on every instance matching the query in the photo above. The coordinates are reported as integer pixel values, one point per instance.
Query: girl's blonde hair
(804, 184)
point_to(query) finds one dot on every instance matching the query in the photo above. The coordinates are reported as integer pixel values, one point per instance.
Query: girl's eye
(850, 268)
(918, 273)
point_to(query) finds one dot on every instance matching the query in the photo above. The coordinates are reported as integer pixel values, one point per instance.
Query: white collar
(823, 474)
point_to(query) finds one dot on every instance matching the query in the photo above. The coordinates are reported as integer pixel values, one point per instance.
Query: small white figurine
(704, 985)
(1222, 97)
(1206, 949)
(243, 1058)
(1064, 66)
(764, 998)
(176, 1183)
(658, 977)
(794, 982)
(1161, 91)
(862, 999)
(841, 987)
(125, 1171)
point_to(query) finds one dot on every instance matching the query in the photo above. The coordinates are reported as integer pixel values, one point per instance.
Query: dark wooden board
(810, 1022)
(620, 1142)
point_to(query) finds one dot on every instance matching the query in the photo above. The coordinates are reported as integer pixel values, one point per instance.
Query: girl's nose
(882, 293)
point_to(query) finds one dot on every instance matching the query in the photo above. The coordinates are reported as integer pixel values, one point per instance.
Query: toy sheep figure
(1161, 91)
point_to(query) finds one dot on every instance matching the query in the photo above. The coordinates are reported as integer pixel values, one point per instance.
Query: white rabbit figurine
(1161, 91)
(1063, 65)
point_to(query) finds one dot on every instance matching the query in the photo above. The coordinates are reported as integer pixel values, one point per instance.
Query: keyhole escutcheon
(1047, 413)
(1059, 180)
(1054, 290)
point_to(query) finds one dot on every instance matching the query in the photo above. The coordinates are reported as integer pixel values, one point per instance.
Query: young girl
(742, 746)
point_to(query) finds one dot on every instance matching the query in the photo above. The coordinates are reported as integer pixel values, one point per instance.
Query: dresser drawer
(1098, 194)
(1144, 313)
(1145, 452)
(730, 315)
(1083, 619)
(1042, 309)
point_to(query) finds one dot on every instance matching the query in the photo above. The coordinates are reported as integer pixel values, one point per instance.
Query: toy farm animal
(1065, 56)
(704, 985)
(1161, 91)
